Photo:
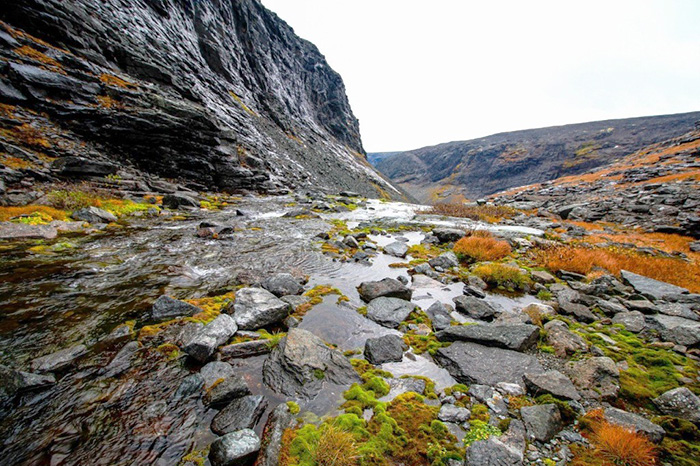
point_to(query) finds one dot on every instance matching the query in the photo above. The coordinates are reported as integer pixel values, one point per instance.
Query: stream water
(77, 289)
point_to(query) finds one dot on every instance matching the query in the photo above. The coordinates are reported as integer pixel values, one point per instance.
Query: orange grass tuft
(478, 249)
(33, 54)
(584, 260)
(623, 447)
(484, 213)
(8, 213)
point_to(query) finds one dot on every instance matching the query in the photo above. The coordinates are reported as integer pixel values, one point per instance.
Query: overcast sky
(419, 73)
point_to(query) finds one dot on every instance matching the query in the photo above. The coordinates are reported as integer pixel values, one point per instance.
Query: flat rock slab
(635, 422)
(58, 360)
(676, 329)
(283, 284)
(202, 344)
(633, 321)
(387, 287)
(653, 289)
(596, 378)
(517, 337)
(166, 307)
(471, 363)
(245, 349)
(542, 422)
(397, 249)
(680, 402)
(493, 452)
(389, 312)
(475, 308)
(10, 230)
(94, 215)
(235, 449)
(551, 382)
(241, 413)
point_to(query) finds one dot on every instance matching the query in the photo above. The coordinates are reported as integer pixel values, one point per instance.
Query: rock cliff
(219, 94)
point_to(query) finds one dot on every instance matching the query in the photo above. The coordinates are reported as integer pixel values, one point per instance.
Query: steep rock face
(218, 92)
(479, 167)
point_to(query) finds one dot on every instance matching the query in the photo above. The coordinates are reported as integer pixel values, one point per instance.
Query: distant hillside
(479, 167)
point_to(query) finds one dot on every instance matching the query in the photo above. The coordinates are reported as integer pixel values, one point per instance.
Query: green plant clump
(480, 430)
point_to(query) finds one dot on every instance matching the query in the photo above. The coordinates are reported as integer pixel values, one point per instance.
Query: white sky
(419, 73)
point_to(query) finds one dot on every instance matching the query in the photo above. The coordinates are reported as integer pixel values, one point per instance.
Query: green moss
(422, 343)
(293, 407)
(461, 388)
(480, 430)
(273, 339)
(544, 295)
(504, 424)
(480, 413)
(195, 457)
(319, 374)
(429, 391)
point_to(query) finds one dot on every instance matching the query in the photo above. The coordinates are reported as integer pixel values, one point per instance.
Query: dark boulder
(519, 337)
(387, 348)
(241, 413)
(387, 287)
(166, 307)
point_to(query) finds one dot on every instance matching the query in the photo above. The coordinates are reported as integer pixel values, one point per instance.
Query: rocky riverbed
(270, 327)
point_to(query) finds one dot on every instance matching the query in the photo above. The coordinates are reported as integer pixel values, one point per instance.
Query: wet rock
(221, 383)
(241, 413)
(302, 213)
(165, 308)
(439, 316)
(245, 349)
(94, 215)
(351, 242)
(190, 385)
(119, 334)
(634, 422)
(652, 289)
(387, 287)
(475, 308)
(552, 382)
(205, 340)
(676, 329)
(177, 200)
(679, 402)
(10, 230)
(255, 308)
(398, 386)
(471, 363)
(238, 448)
(596, 378)
(448, 235)
(387, 348)
(59, 360)
(302, 363)
(122, 361)
(562, 340)
(471, 290)
(31, 381)
(397, 249)
(281, 418)
(493, 452)
(10, 384)
(452, 413)
(578, 311)
(282, 284)
(519, 337)
(80, 167)
(542, 422)
(389, 312)
(444, 261)
(633, 321)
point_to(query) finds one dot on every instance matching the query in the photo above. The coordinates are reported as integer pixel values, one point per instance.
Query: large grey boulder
(439, 316)
(447, 235)
(633, 321)
(596, 378)
(519, 337)
(240, 413)
(11, 230)
(676, 329)
(283, 284)
(475, 308)
(387, 348)
(652, 289)
(202, 344)
(635, 423)
(238, 448)
(552, 382)
(444, 261)
(389, 312)
(493, 452)
(177, 200)
(280, 418)
(222, 384)
(471, 363)
(59, 360)
(452, 413)
(255, 308)
(387, 287)
(578, 311)
(166, 307)
(679, 402)
(397, 249)
(302, 364)
(542, 422)
(93, 215)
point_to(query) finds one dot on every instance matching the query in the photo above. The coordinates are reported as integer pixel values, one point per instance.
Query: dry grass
(109, 102)
(478, 249)
(484, 213)
(33, 54)
(15, 162)
(336, 448)
(502, 276)
(27, 135)
(116, 81)
(662, 241)
(45, 212)
(585, 260)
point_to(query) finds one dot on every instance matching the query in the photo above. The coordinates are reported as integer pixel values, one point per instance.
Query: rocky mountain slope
(221, 95)
(479, 167)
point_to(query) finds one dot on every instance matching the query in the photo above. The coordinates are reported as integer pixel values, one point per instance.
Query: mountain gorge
(221, 95)
(472, 169)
